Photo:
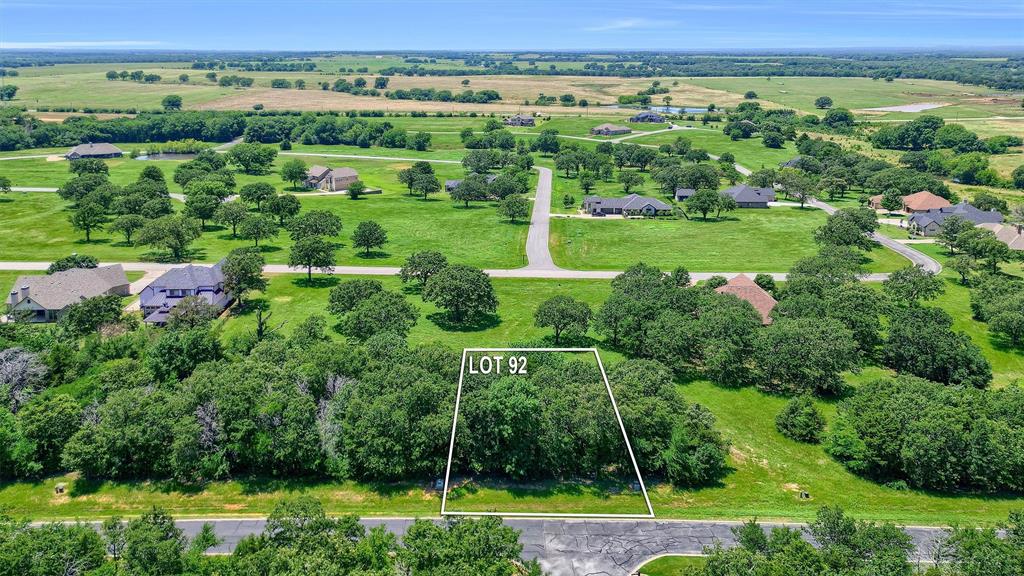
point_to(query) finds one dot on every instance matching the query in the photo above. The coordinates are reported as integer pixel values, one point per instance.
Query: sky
(353, 25)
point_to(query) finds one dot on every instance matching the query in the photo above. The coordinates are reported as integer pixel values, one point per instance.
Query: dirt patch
(57, 117)
(54, 158)
(791, 487)
(738, 456)
(234, 507)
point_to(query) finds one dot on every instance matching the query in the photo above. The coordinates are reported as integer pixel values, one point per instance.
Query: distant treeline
(19, 130)
(1005, 75)
(965, 67)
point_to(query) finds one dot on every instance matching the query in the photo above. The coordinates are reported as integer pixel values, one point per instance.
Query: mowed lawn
(673, 566)
(40, 220)
(290, 297)
(747, 240)
(750, 152)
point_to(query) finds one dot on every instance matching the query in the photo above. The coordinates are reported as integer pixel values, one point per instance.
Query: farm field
(857, 94)
(747, 240)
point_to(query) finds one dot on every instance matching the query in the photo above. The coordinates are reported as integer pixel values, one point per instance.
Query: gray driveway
(578, 547)
(538, 253)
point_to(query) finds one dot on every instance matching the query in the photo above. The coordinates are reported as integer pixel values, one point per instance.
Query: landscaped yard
(747, 240)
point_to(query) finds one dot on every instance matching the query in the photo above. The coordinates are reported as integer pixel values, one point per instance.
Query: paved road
(538, 252)
(919, 259)
(578, 547)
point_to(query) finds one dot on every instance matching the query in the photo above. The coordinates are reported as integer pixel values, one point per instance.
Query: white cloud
(629, 24)
(79, 44)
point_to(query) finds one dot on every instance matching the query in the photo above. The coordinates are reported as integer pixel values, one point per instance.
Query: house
(100, 150)
(1010, 234)
(163, 294)
(917, 202)
(750, 196)
(647, 116)
(929, 223)
(451, 185)
(44, 298)
(683, 193)
(330, 180)
(632, 205)
(744, 288)
(520, 120)
(794, 163)
(609, 130)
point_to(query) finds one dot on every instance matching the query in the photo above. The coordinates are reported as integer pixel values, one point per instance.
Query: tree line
(299, 538)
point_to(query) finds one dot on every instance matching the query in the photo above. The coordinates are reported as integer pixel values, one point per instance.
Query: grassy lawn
(748, 240)
(672, 566)
(547, 497)
(290, 297)
(858, 93)
(1007, 362)
(412, 223)
(750, 153)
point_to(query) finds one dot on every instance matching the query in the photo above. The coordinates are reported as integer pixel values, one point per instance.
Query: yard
(747, 240)
(44, 233)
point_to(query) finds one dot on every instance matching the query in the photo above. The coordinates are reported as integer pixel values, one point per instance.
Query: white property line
(618, 418)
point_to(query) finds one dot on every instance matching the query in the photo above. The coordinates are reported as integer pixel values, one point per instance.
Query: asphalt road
(537, 252)
(579, 547)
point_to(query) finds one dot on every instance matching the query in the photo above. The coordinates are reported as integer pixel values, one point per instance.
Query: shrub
(800, 420)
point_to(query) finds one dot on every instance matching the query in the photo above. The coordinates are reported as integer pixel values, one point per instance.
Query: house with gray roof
(451, 185)
(929, 222)
(99, 150)
(163, 294)
(682, 194)
(44, 298)
(607, 129)
(632, 205)
(647, 116)
(520, 120)
(750, 196)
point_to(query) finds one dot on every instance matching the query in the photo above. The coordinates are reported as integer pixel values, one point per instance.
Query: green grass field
(750, 153)
(289, 296)
(412, 223)
(859, 93)
(672, 566)
(747, 240)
